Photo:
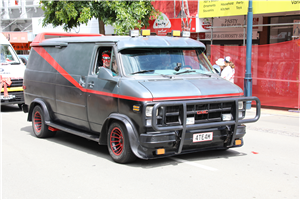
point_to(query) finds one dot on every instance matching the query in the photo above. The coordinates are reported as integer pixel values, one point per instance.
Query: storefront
(226, 31)
(19, 41)
(290, 31)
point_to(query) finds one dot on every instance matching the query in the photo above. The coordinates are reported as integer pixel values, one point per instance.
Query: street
(67, 166)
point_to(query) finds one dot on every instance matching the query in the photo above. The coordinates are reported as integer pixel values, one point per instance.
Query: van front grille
(201, 113)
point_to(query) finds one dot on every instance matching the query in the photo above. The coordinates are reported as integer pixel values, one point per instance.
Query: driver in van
(106, 60)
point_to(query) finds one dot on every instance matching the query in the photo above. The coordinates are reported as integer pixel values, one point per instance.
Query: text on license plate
(201, 137)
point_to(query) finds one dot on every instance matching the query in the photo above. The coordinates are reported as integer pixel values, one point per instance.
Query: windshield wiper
(142, 71)
(187, 71)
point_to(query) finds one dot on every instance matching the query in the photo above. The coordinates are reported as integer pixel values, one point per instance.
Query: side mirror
(106, 74)
(178, 66)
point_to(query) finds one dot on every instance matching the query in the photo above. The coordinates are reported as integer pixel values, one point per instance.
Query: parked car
(11, 74)
(142, 96)
(24, 58)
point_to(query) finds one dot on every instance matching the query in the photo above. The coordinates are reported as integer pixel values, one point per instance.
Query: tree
(123, 15)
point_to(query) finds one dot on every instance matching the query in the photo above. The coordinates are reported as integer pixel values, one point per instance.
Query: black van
(142, 96)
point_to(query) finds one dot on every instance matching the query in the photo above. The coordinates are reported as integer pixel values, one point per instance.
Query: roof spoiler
(48, 35)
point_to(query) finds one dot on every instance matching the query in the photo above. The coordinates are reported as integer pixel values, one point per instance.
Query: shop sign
(21, 46)
(230, 36)
(265, 6)
(163, 25)
(205, 23)
(222, 8)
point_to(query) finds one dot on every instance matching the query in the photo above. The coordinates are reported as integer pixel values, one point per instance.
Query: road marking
(194, 164)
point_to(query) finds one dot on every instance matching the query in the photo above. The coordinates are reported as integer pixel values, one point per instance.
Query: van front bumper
(178, 139)
(169, 141)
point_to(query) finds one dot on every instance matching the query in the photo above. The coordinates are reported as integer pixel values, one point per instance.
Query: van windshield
(7, 55)
(147, 62)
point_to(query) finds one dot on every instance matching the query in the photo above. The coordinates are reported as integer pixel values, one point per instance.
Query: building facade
(21, 20)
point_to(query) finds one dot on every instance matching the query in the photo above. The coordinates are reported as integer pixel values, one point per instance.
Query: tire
(40, 129)
(20, 105)
(118, 144)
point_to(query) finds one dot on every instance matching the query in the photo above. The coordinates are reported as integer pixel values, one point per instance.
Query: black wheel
(118, 144)
(39, 127)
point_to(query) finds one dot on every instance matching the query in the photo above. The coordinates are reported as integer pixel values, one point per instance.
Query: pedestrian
(227, 70)
(232, 65)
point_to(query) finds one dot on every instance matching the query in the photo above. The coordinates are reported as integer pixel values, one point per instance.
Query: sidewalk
(274, 111)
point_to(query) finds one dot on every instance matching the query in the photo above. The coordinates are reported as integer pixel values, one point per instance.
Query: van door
(70, 87)
(101, 97)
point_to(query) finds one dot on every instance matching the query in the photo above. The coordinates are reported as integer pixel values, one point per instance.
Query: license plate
(9, 97)
(201, 137)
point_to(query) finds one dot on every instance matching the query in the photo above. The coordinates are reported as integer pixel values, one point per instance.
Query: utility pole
(248, 76)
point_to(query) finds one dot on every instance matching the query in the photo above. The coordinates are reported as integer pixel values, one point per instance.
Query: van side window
(113, 64)
(106, 58)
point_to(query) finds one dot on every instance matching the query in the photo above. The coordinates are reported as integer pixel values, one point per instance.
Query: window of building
(284, 32)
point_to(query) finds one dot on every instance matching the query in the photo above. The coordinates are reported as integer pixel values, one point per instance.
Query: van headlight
(241, 105)
(241, 109)
(149, 111)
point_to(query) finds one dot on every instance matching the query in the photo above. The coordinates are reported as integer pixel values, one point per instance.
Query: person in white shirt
(233, 71)
(227, 72)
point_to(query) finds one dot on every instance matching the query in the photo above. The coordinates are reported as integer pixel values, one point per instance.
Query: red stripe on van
(197, 97)
(44, 54)
(118, 95)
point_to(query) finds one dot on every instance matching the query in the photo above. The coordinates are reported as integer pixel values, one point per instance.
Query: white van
(11, 74)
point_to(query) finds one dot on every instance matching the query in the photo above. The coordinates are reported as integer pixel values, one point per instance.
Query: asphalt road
(67, 166)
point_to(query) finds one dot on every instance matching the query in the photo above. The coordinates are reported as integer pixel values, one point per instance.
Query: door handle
(91, 84)
(82, 83)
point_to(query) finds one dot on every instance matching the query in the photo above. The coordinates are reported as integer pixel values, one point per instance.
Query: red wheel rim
(37, 121)
(116, 141)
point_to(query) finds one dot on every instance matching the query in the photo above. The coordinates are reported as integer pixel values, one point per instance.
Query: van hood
(191, 88)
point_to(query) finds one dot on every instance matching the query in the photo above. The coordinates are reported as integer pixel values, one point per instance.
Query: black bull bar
(236, 121)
